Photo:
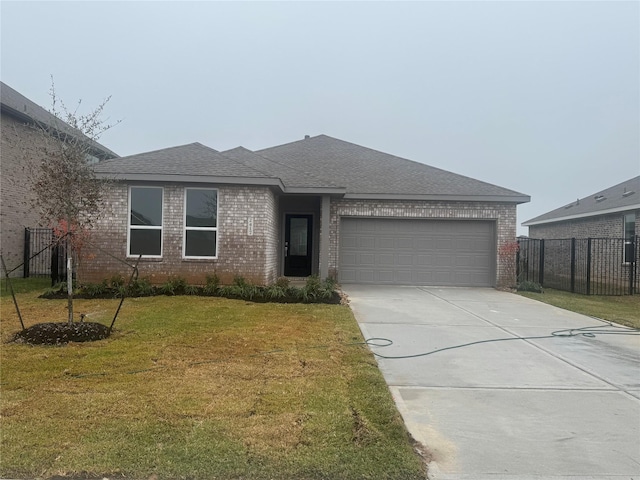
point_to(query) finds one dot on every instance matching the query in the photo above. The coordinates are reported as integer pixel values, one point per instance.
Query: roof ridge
(312, 175)
(415, 162)
(269, 174)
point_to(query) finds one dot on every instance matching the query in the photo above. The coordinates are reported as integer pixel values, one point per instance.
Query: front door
(297, 245)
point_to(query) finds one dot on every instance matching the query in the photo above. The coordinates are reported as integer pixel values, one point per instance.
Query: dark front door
(297, 245)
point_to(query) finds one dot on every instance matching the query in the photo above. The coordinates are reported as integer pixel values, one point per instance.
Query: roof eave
(316, 190)
(533, 222)
(168, 178)
(441, 197)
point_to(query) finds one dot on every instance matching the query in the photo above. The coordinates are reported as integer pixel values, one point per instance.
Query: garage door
(417, 252)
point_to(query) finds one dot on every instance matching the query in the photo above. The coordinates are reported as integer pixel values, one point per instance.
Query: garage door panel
(421, 252)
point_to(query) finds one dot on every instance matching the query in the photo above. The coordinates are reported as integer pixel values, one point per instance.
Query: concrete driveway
(556, 408)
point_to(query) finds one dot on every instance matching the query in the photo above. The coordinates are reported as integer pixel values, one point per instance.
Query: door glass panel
(298, 236)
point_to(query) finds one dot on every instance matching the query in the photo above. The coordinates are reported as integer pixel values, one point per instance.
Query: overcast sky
(540, 97)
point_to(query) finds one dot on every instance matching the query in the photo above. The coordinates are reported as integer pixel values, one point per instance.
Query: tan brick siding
(503, 214)
(239, 253)
(601, 226)
(19, 142)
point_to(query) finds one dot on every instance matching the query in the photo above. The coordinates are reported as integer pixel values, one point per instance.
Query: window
(201, 223)
(629, 236)
(145, 221)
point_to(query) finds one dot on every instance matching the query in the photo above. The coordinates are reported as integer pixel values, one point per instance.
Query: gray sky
(541, 97)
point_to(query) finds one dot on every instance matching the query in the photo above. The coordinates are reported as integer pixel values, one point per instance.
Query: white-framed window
(200, 238)
(145, 221)
(629, 236)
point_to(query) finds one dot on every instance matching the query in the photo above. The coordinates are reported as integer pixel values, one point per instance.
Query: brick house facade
(598, 226)
(278, 213)
(22, 145)
(16, 213)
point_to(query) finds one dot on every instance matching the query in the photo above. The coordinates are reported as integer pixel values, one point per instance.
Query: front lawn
(624, 310)
(199, 388)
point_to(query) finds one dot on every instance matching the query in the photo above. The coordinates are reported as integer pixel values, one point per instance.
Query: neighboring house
(611, 213)
(20, 142)
(318, 206)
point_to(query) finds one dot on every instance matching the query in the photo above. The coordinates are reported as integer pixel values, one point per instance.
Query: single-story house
(610, 213)
(317, 206)
(22, 142)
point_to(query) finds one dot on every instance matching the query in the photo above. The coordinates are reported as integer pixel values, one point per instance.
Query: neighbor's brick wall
(503, 214)
(19, 143)
(238, 252)
(601, 226)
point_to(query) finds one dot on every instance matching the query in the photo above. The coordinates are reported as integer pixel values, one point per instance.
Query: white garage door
(417, 252)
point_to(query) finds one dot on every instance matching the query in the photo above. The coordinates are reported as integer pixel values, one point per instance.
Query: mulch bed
(62, 333)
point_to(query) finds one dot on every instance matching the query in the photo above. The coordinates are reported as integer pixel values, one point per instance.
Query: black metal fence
(44, 255)
(591, 266)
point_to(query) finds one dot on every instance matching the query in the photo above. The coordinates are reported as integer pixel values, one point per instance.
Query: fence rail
(43, 255)
(591, 266)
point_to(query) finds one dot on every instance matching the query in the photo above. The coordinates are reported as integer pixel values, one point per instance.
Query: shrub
(212, 285)
(95, 289)
(141, 287)
(116, 281)
(192, 290)
(275, 292)
(174, 286)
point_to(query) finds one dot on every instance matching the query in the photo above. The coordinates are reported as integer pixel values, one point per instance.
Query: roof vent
(599, 198)
(306, 137)
(626, 194)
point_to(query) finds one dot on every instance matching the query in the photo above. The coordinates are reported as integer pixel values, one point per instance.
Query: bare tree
(67, 192)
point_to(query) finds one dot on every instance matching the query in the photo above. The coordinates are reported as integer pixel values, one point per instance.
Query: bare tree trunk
(70, 281)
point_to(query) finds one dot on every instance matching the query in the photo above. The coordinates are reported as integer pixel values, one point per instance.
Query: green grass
(199, 388)
(624, 310)
(24, 285)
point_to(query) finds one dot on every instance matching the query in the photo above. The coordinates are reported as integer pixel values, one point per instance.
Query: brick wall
(503, 214)
(601, 226)
(19, 144)
(239, 251)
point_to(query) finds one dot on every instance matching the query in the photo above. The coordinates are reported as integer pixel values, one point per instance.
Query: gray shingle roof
(320, 164)
(367, 172)
(621, 197)
(17, 105)
(290, 175)
(193, 159)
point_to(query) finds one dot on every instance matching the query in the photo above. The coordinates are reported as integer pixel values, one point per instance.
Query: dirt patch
(62, 333)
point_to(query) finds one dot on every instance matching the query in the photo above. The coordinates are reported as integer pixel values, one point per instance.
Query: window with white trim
(200, 223)
(145, 221)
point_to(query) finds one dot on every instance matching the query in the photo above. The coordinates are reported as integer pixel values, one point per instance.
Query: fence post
(518, 261)
(588, 266)
(541, 265)
(632, 264)
(27, 252)
(573, 265)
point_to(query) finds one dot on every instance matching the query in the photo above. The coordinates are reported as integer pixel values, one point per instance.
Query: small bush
(528, 286)
(212, 285)
(95, 289)
(275, 292)
(116, 281)
(283, 282)
(192, 290)
(141, 287)
(174, 286)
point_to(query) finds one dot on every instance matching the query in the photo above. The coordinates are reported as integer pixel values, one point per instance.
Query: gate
(44, 255)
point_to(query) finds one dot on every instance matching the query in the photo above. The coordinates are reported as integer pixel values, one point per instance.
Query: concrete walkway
(541, 408)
